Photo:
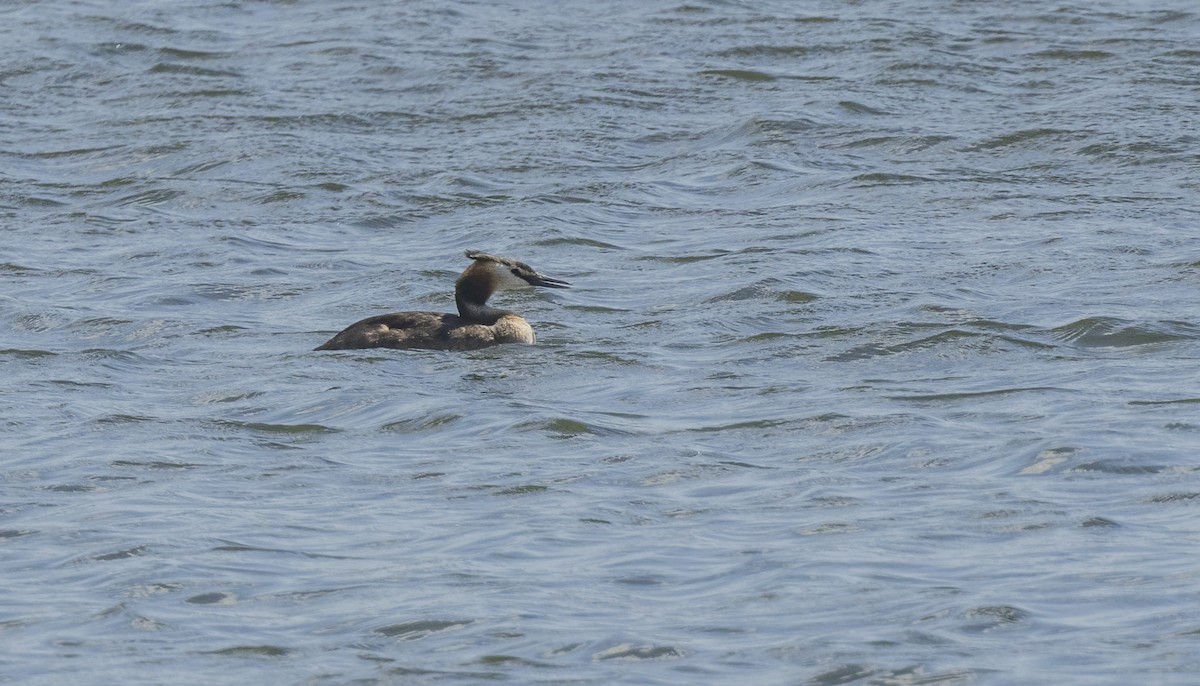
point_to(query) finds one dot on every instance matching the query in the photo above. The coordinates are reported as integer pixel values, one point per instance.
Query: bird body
(477, 325)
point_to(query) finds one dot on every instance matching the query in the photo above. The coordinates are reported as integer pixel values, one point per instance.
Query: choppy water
(881, 364)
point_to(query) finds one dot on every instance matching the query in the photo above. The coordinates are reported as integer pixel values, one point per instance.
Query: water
(880, 365)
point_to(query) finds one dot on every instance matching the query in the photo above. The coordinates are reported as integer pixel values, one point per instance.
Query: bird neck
(471, 293)
(480, 313)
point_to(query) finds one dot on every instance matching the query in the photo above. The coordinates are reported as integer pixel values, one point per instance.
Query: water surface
(880, 366)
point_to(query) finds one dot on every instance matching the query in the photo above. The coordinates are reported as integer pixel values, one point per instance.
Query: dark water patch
(585, 356)
(116, 359)
(215, 598)
(637, 653)
(418, 629)
(8, 269)
(1177, 401)
(1181, 426)
(1099, 523)
(364, 121)
(191, 70)
(155, 464)
(642, 580)
(750, 425)
(906, 144)
(137, 551)
(39, 323)
(769, 51)
(1074, 55)
(420, 424)
(685, 259)
(578, 242)
(743, 465)
(120, 182)
(281, 195)
(116, 479)
(961, 340)
(120, 418)
(513, 660)
(26, 354)
(1025, 343)
(252, 651)
(767, 336)
(986, 617)
(1131, 154)
(41, 201)
(527, 489)
(269, 428)
(562, 199)
(763, 290)
(598, 309)
(219, 397)
(830, 529)
(748, 75)
(972, 395)
(150, 198)
(914, 674)
(72, 488)
(888, 179)
(275, 244)
(859, 108)
(233, 547)
(1170, 498)
(872, 142)
(1119, 468)
(564, 427)
(1111, 332)
(771, 130)
(233, 292)
(214, 92)
(193, 54)
(72, 152)
(1187, 56)
(1025, 138)
(848, 674)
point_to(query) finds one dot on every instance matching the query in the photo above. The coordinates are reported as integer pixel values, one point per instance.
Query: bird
(477, 324)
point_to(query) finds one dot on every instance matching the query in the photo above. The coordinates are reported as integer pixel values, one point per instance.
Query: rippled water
(880, 366)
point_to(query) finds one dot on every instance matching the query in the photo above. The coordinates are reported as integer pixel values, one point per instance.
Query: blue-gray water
(880, 367)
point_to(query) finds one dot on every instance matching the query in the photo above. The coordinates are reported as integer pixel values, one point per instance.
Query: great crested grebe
(477, 325)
